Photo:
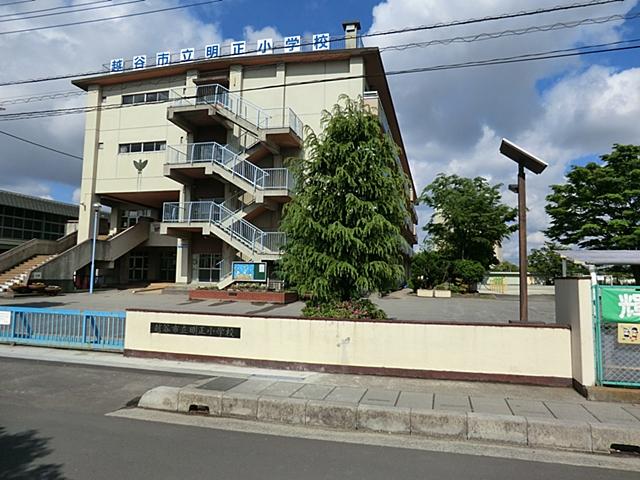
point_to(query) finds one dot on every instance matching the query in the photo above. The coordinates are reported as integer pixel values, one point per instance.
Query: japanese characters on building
(266, 46)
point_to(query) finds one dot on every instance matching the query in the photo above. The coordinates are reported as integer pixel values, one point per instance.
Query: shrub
(428, 269)
(349, 309)
(466, 274)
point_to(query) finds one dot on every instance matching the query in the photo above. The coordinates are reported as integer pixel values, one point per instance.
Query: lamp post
(524, 160)
(96, 210)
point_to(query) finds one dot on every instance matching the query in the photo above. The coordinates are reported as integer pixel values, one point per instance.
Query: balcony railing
(254, 239)
(220, 96)
(222, 155)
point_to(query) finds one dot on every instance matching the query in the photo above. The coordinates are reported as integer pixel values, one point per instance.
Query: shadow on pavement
(36, 304)
(20, 454)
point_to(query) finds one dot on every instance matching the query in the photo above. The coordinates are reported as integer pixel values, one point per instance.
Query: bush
(428, 269)
(466, 274)
(349, 309)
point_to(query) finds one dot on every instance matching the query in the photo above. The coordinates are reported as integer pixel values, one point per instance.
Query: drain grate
(222, 384)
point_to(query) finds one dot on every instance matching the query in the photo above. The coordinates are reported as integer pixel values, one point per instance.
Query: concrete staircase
(20, 273)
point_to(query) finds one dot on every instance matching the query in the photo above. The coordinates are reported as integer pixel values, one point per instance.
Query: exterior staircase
(20, 273)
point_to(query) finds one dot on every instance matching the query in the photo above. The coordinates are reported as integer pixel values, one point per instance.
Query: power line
(15, 3)
(552, 54)
(128, 15)
(389, 32)
(38, 98)
(52, 8)
(513, 32)
(66, 12)
(40, 145)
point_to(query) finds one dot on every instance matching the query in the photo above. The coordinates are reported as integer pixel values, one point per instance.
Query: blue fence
(62, 328)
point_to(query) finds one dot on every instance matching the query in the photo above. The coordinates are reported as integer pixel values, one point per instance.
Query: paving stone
(570, 411)
(332, 415)
(241, 405)
(456, 403)
(439, 424)
(379, 396)
(611, 413)
(346, 394)
(384, 419)
(282, 389)
(633, 410)
(493, 405)
(200, 398)
(553, 433)
(423, 401)
(282, 410)
(497, 428)
(313, 392)
(252, 385)
(529, 408)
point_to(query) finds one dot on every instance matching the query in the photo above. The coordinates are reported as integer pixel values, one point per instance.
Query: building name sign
(266, 46)
(194, 330)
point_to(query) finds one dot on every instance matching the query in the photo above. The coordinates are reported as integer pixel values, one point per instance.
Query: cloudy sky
(567, 110)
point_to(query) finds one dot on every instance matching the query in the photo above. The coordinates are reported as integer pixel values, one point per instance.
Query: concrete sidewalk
(571, 425)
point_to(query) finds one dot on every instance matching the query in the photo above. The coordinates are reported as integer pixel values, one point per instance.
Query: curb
(498, 429)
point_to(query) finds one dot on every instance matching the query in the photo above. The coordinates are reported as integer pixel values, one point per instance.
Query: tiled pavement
(584, 411)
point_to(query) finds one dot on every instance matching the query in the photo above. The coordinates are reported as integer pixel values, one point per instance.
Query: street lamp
(96, 210)
(524, 160)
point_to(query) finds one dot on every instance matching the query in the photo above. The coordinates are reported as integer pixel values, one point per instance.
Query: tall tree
(469, 219)
(599, 205)
(546, 264)
(344, 223)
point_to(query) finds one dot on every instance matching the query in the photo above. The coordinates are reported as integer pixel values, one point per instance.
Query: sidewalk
(508, 414)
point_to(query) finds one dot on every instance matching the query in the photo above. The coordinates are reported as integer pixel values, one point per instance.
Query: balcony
(372, 99)
(207, 105)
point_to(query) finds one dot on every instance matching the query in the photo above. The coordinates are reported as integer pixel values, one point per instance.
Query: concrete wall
(574, 307)
(533, 354)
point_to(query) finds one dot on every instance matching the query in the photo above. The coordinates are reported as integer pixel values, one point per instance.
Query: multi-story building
(198, 151)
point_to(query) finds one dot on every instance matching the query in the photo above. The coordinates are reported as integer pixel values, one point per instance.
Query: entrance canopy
(601, 257)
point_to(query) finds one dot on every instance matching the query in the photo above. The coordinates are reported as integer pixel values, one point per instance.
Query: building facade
(198, 151)
(23, 218)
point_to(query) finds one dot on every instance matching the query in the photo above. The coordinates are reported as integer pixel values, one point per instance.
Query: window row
(142, 147)
(29, 224)
(150, 97)
(6, 210)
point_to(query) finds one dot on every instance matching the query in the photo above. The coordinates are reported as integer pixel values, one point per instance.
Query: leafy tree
(428, 269)
(546, 264)
(505, 266)
(344, 223)
(469, 219)
(599, 205)
(465, 274)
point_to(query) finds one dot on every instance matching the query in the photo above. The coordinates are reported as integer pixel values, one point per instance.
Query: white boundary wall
(483, 350)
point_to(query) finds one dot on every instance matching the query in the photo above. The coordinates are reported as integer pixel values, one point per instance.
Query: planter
(442, 293)
(244, 296)
(423, 292)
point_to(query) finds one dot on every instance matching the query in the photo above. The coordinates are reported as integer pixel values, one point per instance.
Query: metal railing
(240, 230)
(216, 154)
(63, 328)
(221, 97)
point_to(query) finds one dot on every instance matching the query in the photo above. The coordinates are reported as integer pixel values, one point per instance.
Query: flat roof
(602, 257)
(28, 202)
(374, 74)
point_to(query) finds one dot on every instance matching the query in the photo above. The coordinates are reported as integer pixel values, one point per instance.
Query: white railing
(214, 153)
(219, 96)
(235, 226)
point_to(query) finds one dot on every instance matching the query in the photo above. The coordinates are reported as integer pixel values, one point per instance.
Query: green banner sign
(620, 305)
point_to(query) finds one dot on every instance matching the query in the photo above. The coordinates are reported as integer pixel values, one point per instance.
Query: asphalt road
(52, 426)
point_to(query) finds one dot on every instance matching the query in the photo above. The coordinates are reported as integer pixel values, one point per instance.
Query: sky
(567, 111)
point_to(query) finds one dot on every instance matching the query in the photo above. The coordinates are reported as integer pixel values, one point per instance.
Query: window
(142, 147)
(138, 267)
(209, 267)
(150, 97)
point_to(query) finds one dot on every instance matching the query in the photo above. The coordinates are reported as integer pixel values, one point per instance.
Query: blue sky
(568, 111)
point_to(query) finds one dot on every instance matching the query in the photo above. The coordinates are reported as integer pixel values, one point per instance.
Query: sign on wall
(249, 272)
(629, 333)
(194, 330)
(5, 318)
(621, 305)
(265, 46)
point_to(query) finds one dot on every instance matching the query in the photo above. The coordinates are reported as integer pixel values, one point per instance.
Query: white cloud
(453, 121)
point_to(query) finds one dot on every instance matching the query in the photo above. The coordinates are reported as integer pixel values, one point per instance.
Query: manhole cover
(222, 384)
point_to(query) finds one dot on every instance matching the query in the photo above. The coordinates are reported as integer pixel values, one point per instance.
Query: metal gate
(617, 335)
(49, 327)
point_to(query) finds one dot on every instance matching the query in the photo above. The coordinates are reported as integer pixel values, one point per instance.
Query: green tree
(428, 269)
(469, 219)
(599, 205)
(546, 265)
(344, 224)
(505, 266)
